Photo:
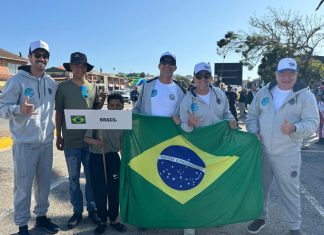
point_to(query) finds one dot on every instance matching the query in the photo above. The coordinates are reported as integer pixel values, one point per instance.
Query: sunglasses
(39, 55)
(84, 92)
(200, 76)
(169, 62)
(287, 73)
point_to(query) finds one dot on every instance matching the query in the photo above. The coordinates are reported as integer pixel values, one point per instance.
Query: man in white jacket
(28, 103)
(281, 115)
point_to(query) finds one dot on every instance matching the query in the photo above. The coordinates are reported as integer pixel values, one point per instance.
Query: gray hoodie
(217, 111)
(299, 108)
(32, 129)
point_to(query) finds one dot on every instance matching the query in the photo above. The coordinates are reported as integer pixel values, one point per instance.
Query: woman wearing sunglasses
(204, 104)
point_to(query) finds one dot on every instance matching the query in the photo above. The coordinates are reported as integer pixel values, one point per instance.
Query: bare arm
(95, 142)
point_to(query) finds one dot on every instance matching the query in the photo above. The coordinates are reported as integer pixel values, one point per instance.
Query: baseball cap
(38, 45)
(202, 67)
(167, 54)
(287, 64)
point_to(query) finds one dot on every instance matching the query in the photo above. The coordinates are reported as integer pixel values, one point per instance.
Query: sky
(130, 35)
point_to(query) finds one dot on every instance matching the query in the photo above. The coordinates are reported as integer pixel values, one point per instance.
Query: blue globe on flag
(180, 168)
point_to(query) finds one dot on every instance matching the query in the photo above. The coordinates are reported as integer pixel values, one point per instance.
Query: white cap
(202, 67)
(38, 45)
(287, 64)
(168, 54)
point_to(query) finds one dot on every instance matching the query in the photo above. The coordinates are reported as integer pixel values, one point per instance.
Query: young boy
(109, 142)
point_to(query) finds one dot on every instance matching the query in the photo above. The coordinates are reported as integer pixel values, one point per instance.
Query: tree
(277, 35)
(184, 81)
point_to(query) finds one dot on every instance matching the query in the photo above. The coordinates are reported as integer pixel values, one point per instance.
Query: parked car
(124, 94)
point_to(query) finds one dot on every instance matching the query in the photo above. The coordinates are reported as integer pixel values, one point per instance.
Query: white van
(124, 94)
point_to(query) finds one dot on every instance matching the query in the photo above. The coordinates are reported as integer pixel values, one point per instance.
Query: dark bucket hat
(78, 58)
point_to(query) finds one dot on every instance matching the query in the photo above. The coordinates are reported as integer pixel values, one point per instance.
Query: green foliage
(184, 81)
(278, 34)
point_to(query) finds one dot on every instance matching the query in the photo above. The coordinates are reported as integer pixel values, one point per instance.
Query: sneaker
(94, 217)
(44, 224)
(295, 232)
(100, 229)
(23, 230)
(74, 220)
(189, 231)
(256, 226)
(119, 227)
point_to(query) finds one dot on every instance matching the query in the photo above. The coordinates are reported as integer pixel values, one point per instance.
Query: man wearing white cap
(162, 95)
(204, 104)
(28, 102)
(281, 115)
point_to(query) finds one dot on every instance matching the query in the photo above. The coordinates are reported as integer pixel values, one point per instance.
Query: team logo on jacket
(50, 91)
(265, 101)
(171, 96)
(218, 100)
(29, 92)
(292, 101)
(154, 93)
(194, 107)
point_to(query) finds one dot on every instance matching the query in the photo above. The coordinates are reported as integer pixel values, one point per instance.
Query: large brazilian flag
(173, 179)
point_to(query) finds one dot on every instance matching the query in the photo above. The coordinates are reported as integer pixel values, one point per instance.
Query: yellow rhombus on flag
(146, 165)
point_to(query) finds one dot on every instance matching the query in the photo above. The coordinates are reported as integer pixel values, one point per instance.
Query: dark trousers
(233, 111)
(103, 191)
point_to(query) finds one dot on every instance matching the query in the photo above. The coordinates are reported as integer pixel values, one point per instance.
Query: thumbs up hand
(192, 120)
(27, 108)
(287, 128)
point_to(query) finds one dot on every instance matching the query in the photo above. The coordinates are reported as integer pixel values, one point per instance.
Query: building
(59, 74)
(9, 63)
(106, 81)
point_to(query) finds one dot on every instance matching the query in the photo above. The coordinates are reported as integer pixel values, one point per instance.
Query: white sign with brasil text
(98, 119)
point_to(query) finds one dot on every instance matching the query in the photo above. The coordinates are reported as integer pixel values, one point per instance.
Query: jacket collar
(300, 84)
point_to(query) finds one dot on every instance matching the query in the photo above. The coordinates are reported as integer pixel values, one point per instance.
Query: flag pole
(103, 156)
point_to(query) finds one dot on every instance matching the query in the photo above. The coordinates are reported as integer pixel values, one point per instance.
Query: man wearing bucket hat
(204, 104)
(161, 96)
(281, 115)
(77, 93)
(28, 102)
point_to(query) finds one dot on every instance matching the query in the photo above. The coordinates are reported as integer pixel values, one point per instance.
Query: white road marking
(55, 184)
(312, 200)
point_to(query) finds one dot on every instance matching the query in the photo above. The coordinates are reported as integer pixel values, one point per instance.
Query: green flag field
(173, 179)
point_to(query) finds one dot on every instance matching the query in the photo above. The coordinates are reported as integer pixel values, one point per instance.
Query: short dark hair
(115, 96)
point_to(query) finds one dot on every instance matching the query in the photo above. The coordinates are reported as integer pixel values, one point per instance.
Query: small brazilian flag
(80, 119)
(173, 179)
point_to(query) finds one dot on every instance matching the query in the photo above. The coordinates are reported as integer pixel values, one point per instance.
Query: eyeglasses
(169, 62)
(84, 92)
(39, 55)
(200, 76)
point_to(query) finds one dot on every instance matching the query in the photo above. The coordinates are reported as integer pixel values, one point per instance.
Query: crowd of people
(280, 114)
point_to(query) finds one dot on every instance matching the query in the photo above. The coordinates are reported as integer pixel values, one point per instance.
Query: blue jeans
(74, 157)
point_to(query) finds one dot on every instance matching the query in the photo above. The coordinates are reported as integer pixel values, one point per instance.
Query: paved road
(312, 191)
